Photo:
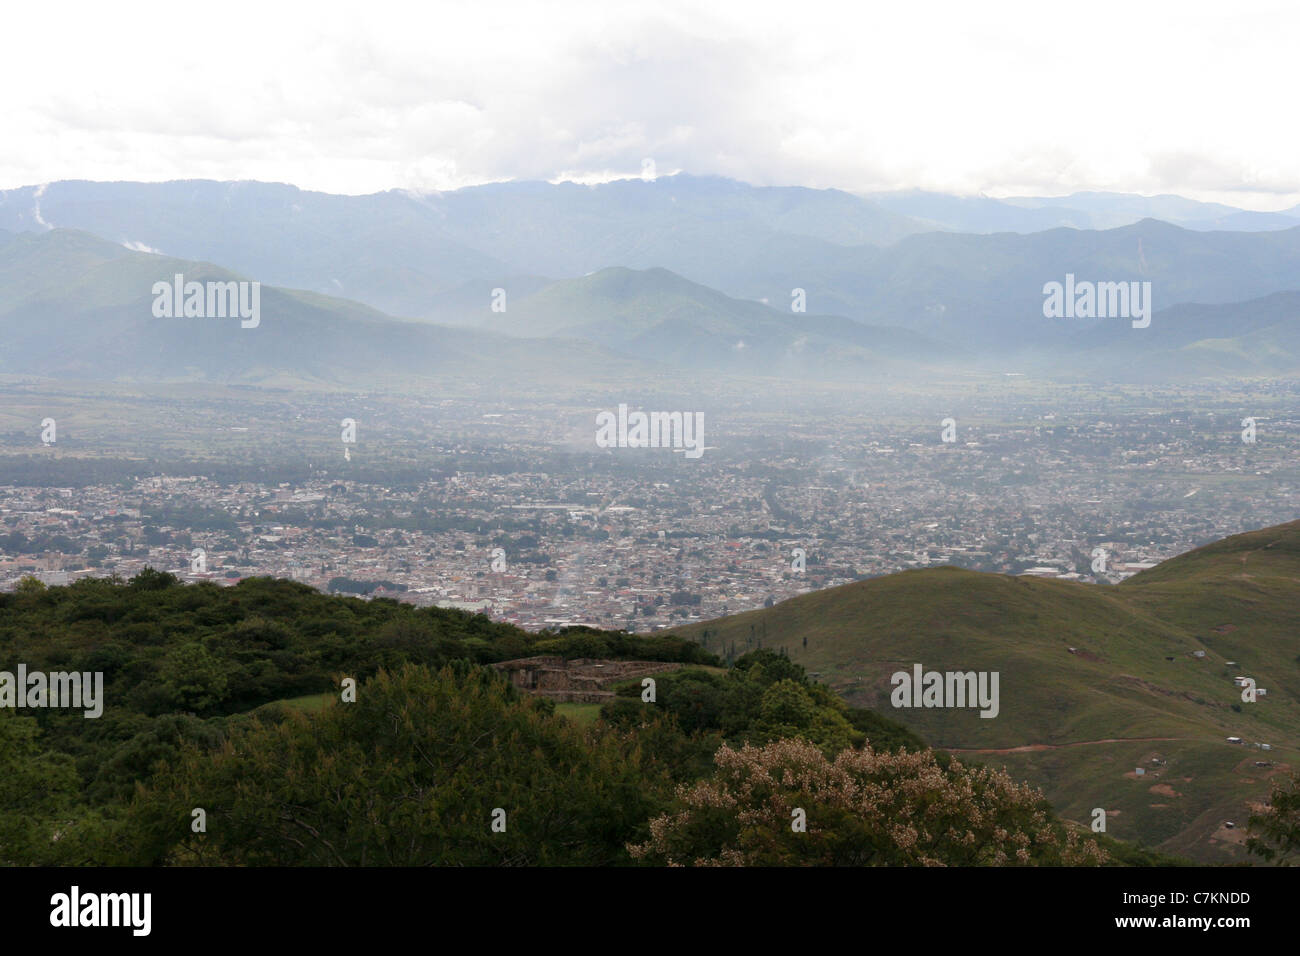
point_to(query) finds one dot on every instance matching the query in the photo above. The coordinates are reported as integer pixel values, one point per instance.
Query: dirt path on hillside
(1028, 748)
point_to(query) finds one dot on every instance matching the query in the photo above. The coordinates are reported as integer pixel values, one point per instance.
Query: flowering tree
(861, 809)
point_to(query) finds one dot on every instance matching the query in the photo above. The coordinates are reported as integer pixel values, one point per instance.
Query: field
(581, 714)
(308, 703)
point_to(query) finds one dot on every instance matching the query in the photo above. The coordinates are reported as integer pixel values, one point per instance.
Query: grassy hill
(1097, 680)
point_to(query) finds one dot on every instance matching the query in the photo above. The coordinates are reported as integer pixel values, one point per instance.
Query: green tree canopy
(410, 774)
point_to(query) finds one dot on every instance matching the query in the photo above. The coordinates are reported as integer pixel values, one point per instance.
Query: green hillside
(234, 702)
(1097, 679)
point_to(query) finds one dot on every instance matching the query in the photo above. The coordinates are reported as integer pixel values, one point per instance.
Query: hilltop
(1095, 680)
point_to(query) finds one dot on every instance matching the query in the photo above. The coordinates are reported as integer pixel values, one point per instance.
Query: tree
(408, 775)
(37, 791)
(194, 679)
(151, 579)
(862, 809)
(787, 704)
(30, 585)
(695, 698)
(767, 667)
(1275, 831)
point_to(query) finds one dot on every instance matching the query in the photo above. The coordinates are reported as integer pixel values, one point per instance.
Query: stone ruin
(582, 680)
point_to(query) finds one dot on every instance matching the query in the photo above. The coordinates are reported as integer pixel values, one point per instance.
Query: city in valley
(506, 505)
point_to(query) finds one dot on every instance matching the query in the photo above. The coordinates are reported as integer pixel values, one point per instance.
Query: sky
(993, 98)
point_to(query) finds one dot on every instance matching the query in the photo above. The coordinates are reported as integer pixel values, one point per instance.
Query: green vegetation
(183, 666)
(584, 715)
(1097, 680)
(1275, 830)
(403, 777)
(787, 804)
(227, 700)
(765, 697)
(308, 703)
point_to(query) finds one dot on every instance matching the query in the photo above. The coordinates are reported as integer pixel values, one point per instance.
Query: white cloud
(140, 247)
(1000, 98)
(36, 204)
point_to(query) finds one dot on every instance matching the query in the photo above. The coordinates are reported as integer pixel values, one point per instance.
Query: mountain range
(396, 250)
(74, 306)
(657, 315)
(1083, 210)
(683, 274)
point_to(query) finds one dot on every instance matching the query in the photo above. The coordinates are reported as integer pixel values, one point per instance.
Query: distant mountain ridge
(75, 306)
(987, 291)
(663, 317)
(743, 254)
(396, 250)
(1081, 210)
(1257, 338)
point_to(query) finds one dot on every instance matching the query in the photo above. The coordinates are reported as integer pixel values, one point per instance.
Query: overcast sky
(994, 97)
